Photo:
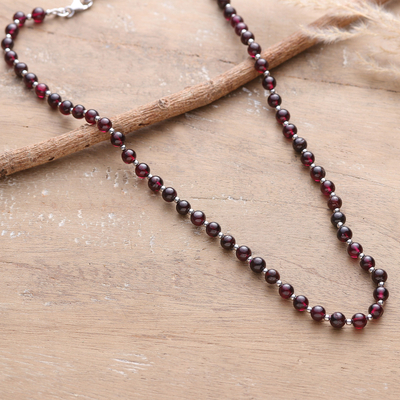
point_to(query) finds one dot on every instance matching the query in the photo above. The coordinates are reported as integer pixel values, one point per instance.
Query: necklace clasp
(69, 11)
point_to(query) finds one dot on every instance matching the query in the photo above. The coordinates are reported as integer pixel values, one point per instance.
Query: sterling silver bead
(16, 21)
(361, 256)
(28, 16)
(190, 212)
(111, 131)
(24, 72)
(235, 247)
(220, 235)
(369, 317)
(309, 309)
(16, 61)
(272, 91)
(123, 147)
(303, 151)
(177, 200)
(136, 162)
(48, 93)
(250, 40)
(8, 36)
(322, 180)
(98, 118)
(277, 108)
(279, 283)
(349, 242)
(332, 194)
(293, 296)
(257, 56)
(339, 224)
(327, 317)
(35, 84)
(285, 123)
(348, 321)
(336, 210)
(250, 259)
(266, 73)
(295, 136)
(205, 223)
(312, 165)
(371, 270)
(381, 284)
(149, 176)
(380, 302)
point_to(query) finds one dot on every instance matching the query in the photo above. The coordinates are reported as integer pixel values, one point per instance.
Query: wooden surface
(107, 293)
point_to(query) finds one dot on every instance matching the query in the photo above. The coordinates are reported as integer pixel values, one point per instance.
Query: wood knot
(163, 104)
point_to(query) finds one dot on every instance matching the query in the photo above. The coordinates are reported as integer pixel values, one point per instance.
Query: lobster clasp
(78, 5)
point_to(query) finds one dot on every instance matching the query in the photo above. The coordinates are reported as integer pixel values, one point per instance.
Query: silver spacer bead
(48, 93)
(327, 317)
(277, 108)
(265, 270)
(190, 212)
(348, 321)
(35, 84)
(28, 16)
(339, 224)
(205, 223)
(272, 91)
(381, 284)
(220, 235)
(71, 109)
(16, 61)
(98, 118)
(8, 36)
(149, 176)
(309, 309)
(332, 194)
(136, 162)
(250, 259)
(279, 283)
(295, 136)
(266, 73)
(380, 302)
(111, 131)
(250, 40)
(16, 21)
(243, 31)
(303, 151)
(233, 15)
(371, 270)
(336, 210)
(322, 180)
(293, 296)
(369, 317)
(257, 56)
(235, 247)
(349, 242)
(361, 256)
(7, 50)
(123, 147)
(24, 72)
(312, 165)
(285, 123)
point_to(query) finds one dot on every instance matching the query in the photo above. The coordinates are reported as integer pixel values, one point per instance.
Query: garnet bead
(78, 111)
(381, 293)
(10, 57)
(239, 28)
(289, 131)
(379, 275)
(354, 249)
(246, 36)
(12, 29)
(228, 242)
(183, 207)
(327, 188)
(128, 156)
(334, 202)
(198, 218)
(38, 15)
(286, 290)
(41, 90)
(367, 262)
(19, 67)
(317, 173)
(169, 194)
(54, 100)
(269, 82)
(282, 116)
(7, 43)
(318, 313)
(261, 65)
(272, 276)
(213, 229)
(21, 17)
(118, 139)
(376, 310)
(257, 264)
(90, 116)
(299, 144)
(222, 3)
(243, 253)
(104, 124)
(274, 100)
(228, 12)
(30, 79)
(337, 320)
(155, 182)
(254, 49)
(359, 320)
(337, 217)
(65, 107)
(307, 158)
(344, 234)
(300, 303)
(142, 170)
(236, 19)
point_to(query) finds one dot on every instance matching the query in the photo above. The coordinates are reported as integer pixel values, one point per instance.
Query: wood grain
(106, 292)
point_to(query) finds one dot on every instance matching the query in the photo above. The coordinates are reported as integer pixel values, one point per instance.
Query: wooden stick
(176, 104)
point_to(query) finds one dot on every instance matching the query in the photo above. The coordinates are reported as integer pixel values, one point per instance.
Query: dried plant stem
(170, 106)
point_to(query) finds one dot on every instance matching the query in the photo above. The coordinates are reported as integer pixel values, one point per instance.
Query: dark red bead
(10, 57)
(289, 130)
(155, 182)
(222, 3)
(117, 139)
(228, 242)
(198, 218)
(307, 158)
(54, 100)
(90, 116)
(239, 28)
(376, 310)
(354, 249)
(12, 29)
(228, 12)
(21, 17)
(78, 111)
(245, 37)
(104, 124)
(274, 100)
(272, 276)
(7, 43)
(327, 188)
(269, 82)
(30, 79)
(169, 194)
(317, 173)
(254, 49)
(381, 293)
(337, 320)
(65, 107)
(38, 15)
(257, 264)
(359, 320)
(299, 144)
(334, 202)
(243, 253)
(261, 65)
(344, 234)
(128, 156)
(41, 90)
(286, 290)
(379, 275)
(282, 116)
(183, 207)
(236, 19)
(367, 262)
(318, 313)
(142, 170)
(300, 303)
(337, 217)
(213, 229)
(19, 67)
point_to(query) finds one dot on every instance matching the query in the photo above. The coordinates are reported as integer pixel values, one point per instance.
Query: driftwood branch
(166, 107)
